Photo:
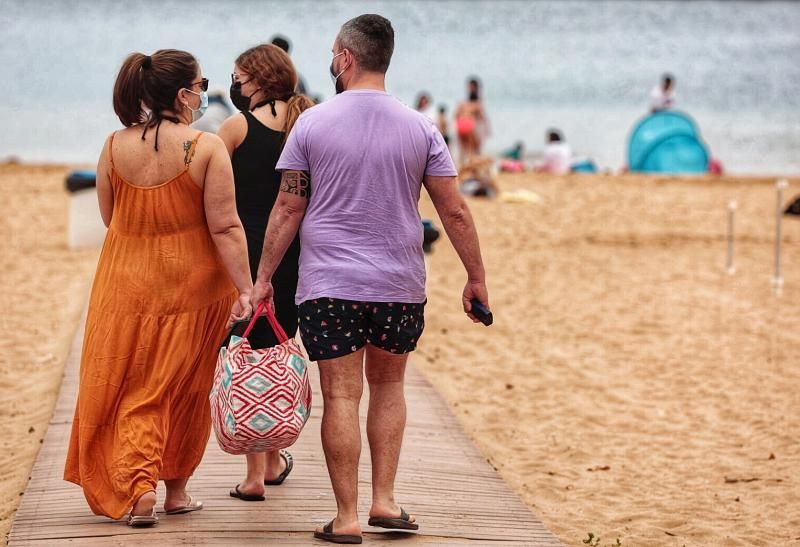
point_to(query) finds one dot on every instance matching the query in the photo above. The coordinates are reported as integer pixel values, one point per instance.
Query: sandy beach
(629, 387)
(44, 287)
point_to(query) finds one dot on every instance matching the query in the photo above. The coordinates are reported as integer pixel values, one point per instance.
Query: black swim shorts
(332, 328)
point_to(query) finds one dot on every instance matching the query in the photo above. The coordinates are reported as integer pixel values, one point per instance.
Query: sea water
(586, 68)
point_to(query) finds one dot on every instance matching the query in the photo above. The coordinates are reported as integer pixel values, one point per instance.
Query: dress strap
(110, 146)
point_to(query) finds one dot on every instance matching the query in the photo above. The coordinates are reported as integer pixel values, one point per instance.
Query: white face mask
(197, 114)
(335, 77)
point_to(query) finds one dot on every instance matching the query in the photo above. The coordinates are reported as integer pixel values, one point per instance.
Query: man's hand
(262, 292)
(474, 289)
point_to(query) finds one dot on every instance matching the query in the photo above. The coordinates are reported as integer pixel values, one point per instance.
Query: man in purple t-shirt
(352, 172)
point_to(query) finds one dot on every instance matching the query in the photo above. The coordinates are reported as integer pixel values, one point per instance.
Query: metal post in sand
(777, 280)
(729, 266)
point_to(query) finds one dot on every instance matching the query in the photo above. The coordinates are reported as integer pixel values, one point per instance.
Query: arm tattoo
(296, 182)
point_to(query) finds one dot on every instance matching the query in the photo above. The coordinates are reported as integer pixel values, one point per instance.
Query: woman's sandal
(143, 521)
(287, 457)
(188, 508)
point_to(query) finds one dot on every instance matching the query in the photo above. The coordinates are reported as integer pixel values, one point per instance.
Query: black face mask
(241, 102)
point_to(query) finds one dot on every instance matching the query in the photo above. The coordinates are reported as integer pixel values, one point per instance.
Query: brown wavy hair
(274, 72)
(151, 81)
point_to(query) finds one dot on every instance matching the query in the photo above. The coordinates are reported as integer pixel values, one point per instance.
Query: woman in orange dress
(172, 272)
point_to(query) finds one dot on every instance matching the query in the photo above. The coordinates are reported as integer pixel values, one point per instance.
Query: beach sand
(628, 388)
(44, 287)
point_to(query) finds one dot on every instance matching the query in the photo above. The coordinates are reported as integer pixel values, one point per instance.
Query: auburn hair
(151, 82)
(273, 71)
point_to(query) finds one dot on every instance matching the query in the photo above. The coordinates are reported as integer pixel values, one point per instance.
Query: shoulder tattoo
(296, 182)
(187, 152)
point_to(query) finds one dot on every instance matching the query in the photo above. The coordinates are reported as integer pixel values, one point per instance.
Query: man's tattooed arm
(297, 183)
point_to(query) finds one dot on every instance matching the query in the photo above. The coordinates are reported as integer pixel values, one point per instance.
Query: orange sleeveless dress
(157, 314)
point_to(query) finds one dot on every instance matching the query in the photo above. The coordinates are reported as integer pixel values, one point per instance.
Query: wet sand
(629, 387)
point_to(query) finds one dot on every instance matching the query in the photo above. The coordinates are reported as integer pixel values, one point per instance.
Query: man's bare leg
(342, 383)
(386, 422)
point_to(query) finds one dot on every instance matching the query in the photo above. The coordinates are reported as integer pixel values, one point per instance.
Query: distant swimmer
(662, 97)
(557, 154)
(472, 124)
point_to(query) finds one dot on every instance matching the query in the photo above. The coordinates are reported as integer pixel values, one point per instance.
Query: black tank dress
(257, 185)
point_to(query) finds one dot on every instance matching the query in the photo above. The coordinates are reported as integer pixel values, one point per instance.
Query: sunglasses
(235, 79)
(202, 83)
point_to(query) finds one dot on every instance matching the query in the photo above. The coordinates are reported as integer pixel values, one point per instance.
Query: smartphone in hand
(481, 312)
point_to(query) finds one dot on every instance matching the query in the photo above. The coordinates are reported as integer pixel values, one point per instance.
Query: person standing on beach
(352, 172)
(172, 271)
(662, 97)
(283, 43)
(472, 124)
(263, 88)
(442, 125)
(425, 106)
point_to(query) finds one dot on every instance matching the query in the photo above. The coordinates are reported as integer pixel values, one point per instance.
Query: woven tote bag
(261, 398)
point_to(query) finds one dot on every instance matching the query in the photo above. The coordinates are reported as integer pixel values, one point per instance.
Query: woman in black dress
(262, 87)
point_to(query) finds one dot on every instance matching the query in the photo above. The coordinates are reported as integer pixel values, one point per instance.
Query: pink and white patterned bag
(261, 398)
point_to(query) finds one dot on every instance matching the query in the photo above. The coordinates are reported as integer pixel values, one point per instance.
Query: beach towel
(261, 398)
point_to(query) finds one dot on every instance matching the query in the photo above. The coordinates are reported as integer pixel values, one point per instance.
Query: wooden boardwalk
(456, 495)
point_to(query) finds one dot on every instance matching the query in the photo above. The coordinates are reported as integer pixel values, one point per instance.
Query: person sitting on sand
(472, 124)
(662, 97)
(352, 172)
(557, 155)
(172, 271)
(263, 86)
(476, 179)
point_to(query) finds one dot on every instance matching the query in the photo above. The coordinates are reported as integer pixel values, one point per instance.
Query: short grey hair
(370, 38)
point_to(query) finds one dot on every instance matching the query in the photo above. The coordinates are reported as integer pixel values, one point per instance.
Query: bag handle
(267, 311)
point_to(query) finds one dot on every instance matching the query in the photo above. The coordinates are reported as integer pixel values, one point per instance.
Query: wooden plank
(457, 496)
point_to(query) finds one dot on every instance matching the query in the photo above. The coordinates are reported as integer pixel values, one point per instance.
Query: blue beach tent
(667, 142)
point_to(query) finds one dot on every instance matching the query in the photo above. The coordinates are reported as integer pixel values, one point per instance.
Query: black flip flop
(328, 535)
(401, 523)
(287, 457)
(236, 493)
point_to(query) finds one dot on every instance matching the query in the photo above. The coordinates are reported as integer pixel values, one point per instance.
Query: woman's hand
(242, 309)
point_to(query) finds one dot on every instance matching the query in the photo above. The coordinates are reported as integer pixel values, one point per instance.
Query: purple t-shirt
(361, 237)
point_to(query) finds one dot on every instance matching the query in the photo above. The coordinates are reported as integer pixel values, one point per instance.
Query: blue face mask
(197, 114)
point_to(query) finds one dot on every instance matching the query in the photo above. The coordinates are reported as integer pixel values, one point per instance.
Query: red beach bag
(261, 398)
